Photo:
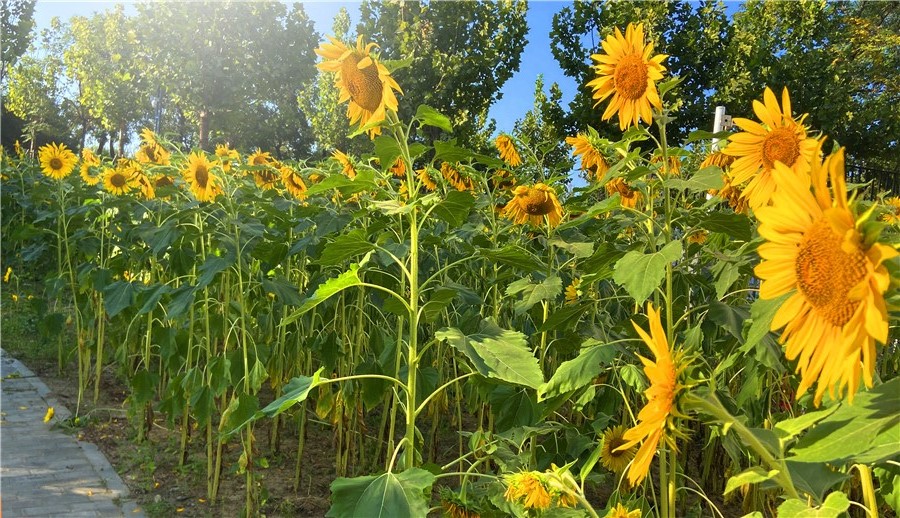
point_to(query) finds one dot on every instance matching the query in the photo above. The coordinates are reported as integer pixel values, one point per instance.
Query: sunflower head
(57, 161)
(532, 204)
(611, 457)
(198, 174)
(620, 511)
(529, 487)
(399, 168)
(778, 137)
(361, 79)
(425, 179)
(454, 177)
(718, 159)
(259, 158)
(152, 154)
(507, 150)
(346, 164)
(118, 181)
(835, 278)
(502, 180)
(89, 161)
(892, 214)
(293, 182)
(593, 163)
(573, 291)
(146, 185)
(732, 194)
(626, 72)
(630, 197)
(148, 137)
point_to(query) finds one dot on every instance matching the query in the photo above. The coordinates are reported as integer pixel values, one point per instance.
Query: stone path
(43, 470)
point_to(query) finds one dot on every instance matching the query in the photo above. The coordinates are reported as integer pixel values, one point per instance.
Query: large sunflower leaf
(381, 496)
(497, 353)
(641, 273)
(578, 372)
(834, 506)
(430, 116)
(325, 291)
(345, 246)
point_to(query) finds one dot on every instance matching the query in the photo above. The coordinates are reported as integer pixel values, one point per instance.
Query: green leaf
(753, 475)
(790, 428)
(632, 376)
(702, 181)
(211, 267)
(440, 299)
(563, 316)
(579, 250)
(726, 273)
(455, 207)
(387, 150)
(296, 391)
(762, 311)
(835, 505)
(182, 298)
(640, 273)
(240, 412)
(364, 181)
(497, 353)
(430, 116)
(514, 255)
(865, 432)
(285, 290)
(578, 372)
(143, 387)
(450, 152)
(345, 246)
(532, 293)
(325, 291)
(737, 226)
(813, 478)
(382, 496)
(152, 297)
(117, 297)
(598, 208)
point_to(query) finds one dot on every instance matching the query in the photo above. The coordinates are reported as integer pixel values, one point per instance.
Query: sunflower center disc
(55, 163)
(118, 180)
(631, 77)
(202, 176)
(782, 145)
(364, 85)
(826, 273)
(537, 203)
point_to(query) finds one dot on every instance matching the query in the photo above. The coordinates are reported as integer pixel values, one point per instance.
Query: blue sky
(517, 92)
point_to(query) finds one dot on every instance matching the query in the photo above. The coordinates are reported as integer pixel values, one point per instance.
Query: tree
(16, 22)
(542, 129)
(692, 35)
(222, 62)
(461, 53)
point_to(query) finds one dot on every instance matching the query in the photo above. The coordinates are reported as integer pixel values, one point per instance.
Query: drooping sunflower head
(346, 164)
(146, 185)
(628, 73)
(718, 159)
(266, 178)
(620, 511)
(532, 204)
(502, 179)
(732, 194)
(779, 138)
(259, 157)
(615, 461)
(630, 197)
(57, 161)
(455, 506)
(148, 137)
(835, 278)
(672, 167)
(360, 79)
(399, 168)
(507, 150)
(454, 177)
(118, 181)
(293, 182)
(198, 174)
(425, 179)
(573, 291)
(529, 487)
(593, 162)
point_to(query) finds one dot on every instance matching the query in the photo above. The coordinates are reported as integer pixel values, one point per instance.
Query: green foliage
(382, 496)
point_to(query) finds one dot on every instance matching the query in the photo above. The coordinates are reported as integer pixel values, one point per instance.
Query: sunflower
(779, 138)
(163, 181)
(698, 237)
(316, 177)
(226, 156)
(892, 215)
(628, 73)
(816, 253)
(399, 168)
(88, 161)
(57, 161)
(630, 197)
(718, 159)
(572, 291)
(145, 184)
(259, 158)
(508, 151)
(531, 204)
(529, 487)
(150, 154)
(118, 181)
(348, 170)
(425, 179)
(293, 182)
(148, 137)
(659, 412)
(203, 183)
(674, 166)
(459, 181)
(592, 161)
(360, 79)
(613, 460)
(732, 194)
(620, 511)
(265, 178)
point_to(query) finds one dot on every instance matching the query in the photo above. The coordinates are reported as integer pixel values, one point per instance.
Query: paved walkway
(44, 471)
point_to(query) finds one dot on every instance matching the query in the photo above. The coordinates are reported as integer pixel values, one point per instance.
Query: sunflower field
(707, 328)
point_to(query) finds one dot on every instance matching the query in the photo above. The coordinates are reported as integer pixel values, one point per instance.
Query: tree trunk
(101, 142)
(112, 152)
(122, 138)
(204, 129)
